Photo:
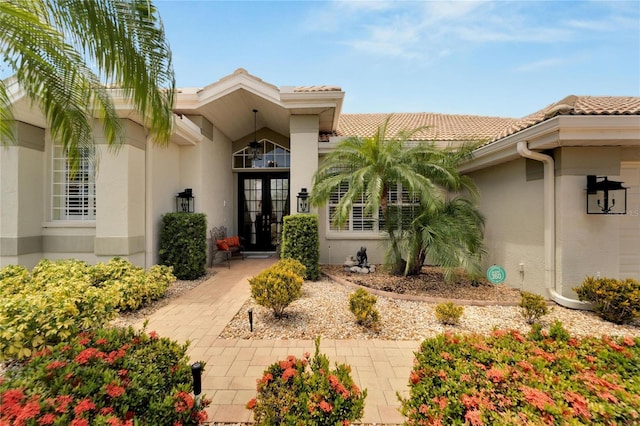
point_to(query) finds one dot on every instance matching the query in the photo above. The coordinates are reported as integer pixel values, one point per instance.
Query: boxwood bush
(183, 244)
(57, 300)
(112, 376)
(507, 378)
(300, 242)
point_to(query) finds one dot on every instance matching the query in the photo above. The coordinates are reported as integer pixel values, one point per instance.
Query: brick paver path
(234, 365)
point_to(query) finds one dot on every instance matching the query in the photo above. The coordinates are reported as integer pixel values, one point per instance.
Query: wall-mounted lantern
(605, 196)
(185, 201)
(303, 201)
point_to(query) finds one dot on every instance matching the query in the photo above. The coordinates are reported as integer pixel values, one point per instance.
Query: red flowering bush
(104, 377)
(306, 391)
(510, 379)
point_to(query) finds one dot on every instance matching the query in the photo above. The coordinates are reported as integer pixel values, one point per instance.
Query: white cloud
(542, 64)
(422, 30)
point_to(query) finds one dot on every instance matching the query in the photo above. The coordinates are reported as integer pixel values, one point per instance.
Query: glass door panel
(264, 201)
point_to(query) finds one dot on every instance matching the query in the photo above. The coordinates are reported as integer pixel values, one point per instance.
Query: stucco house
(245, 169)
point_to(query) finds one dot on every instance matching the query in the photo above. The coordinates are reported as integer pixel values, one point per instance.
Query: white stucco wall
(304, 155)
(514, 229)
(595, 245)
(217, 193)
(163, 183)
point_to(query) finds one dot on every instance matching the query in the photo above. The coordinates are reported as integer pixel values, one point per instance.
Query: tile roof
(451, 127)
(576, 105)
(317, 89)
(441, 127)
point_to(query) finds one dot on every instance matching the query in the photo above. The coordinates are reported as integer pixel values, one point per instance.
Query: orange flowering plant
(507, 378)
(114, 377)
(305, 391)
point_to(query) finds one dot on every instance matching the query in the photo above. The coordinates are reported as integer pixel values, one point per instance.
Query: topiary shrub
(113, 376)
(362, 305)
(307, 392)
(183, 244)
(277, 286)
(614, 300)
(449, 313)
(300, 242)
(533, 306)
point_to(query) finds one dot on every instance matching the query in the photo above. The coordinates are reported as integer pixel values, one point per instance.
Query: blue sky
(487, 58)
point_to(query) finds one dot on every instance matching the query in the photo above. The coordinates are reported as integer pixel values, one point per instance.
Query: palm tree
(51, 46)
(373, 166)
(451, 237)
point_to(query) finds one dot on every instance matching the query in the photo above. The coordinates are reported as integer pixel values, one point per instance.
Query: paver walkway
(234, 365)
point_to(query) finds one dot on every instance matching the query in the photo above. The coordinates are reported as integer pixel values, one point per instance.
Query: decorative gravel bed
(323, 311)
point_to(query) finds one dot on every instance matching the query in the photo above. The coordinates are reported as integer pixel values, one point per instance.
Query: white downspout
(550, 228)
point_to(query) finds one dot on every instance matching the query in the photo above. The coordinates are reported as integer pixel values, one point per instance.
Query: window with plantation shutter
(402, 205)
(73, 193)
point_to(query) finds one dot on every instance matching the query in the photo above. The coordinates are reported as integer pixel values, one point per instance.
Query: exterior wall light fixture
(303, 201)
(185, 201)
(605, 196)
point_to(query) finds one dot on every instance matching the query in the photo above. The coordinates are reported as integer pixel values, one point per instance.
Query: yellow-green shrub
(614, 300)
(131, 284)
(59, 299)
(533, 306)
(362, 305)
(277, 286)
(449, 313)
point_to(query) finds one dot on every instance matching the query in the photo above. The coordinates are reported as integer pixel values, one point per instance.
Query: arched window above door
(272, 156)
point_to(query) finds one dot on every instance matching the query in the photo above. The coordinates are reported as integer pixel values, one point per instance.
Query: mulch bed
(429, 283)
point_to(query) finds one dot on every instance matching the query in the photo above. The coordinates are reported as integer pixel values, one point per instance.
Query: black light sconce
(605, 196)
(185, 201)
(255, 147)
(303, 201)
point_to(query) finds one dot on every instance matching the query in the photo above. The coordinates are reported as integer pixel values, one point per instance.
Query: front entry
(263, 202)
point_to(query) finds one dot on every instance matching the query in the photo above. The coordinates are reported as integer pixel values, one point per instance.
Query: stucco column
(304, 154)
(21, 199)
(120, 194)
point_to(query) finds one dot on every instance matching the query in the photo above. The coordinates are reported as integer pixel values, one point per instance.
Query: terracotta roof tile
(576, 105)
(317, 89)
(441, 127)
(451, 127)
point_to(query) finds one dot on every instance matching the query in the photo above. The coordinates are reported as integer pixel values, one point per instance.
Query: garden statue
(362, 257)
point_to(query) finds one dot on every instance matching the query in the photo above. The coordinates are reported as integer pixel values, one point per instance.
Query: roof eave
(559, 131)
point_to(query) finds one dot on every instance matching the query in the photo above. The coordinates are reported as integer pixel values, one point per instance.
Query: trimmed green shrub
(59, 299)
(279, 285)
(449, 313)
(104, 377)
(506, 378)
(362, 305)
(307, 392)
(300, 242)
(183, 244)
(614, 300)
(533, 306)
